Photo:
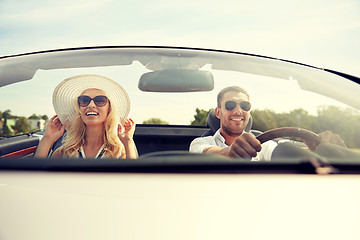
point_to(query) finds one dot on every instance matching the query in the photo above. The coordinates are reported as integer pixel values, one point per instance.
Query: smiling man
(231, 140)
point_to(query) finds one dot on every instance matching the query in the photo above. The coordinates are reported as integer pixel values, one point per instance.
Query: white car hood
(41, 205)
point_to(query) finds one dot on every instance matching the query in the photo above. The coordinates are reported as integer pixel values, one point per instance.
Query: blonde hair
(75, 136)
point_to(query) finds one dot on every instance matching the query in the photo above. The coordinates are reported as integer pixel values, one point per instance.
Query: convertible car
(169, 192)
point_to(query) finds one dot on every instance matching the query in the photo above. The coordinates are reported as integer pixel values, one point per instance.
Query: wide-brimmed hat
(66, 93)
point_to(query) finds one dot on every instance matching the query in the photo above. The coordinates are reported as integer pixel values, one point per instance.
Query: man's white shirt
(198, 145)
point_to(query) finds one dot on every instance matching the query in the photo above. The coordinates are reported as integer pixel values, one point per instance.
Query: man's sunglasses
(244, 105)
(99, 101)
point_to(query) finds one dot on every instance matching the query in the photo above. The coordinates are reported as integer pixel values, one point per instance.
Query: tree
(45, 117)
(264, 120)
(6, 131)
(155, 121)
(200, 117)
(22, 125)
(346, 123)
(6, 114)
(34, 116)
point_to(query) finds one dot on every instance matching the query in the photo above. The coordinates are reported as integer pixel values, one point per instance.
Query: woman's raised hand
(126, 132)
(55, 129)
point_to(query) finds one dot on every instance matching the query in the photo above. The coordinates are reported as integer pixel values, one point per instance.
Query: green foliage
(6, 130)
(37, 117)
(264, 120)
(7, 114)
(155, 121)
(346, 124)
(34, 116)
(22, 125)
(13, 125)
(200, 117)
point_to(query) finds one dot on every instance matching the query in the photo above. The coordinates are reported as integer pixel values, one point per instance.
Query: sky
(322, 33)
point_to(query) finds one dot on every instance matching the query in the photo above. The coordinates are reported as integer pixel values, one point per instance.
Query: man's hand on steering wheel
(244, 146)
(330, 137)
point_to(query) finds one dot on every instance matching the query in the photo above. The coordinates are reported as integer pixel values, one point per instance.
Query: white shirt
(198, 145)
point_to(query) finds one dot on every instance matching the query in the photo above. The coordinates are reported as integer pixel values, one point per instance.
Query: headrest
(214, 123)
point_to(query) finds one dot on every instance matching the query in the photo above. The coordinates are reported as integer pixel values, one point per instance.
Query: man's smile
(237, 118)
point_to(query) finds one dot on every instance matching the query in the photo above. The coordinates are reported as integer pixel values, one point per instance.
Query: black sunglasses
(244, 105)
(99, 101)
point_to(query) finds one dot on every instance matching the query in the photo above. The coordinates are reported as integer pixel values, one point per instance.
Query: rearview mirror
(176, 80)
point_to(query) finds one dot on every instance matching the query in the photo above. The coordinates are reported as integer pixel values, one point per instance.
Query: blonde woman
(90, 108)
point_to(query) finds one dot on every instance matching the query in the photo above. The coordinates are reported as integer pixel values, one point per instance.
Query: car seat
(56, 145)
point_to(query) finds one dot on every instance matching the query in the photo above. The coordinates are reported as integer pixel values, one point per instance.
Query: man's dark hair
(230, 89)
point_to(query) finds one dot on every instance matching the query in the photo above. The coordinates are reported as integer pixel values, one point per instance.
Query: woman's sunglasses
(244, 105)
(99, 101)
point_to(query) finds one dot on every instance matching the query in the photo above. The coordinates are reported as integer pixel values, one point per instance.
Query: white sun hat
(66, 93)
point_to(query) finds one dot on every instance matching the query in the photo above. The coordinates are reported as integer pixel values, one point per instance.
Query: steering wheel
(311, 139)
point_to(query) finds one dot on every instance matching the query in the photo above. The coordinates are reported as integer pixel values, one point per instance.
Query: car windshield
(176, 88)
